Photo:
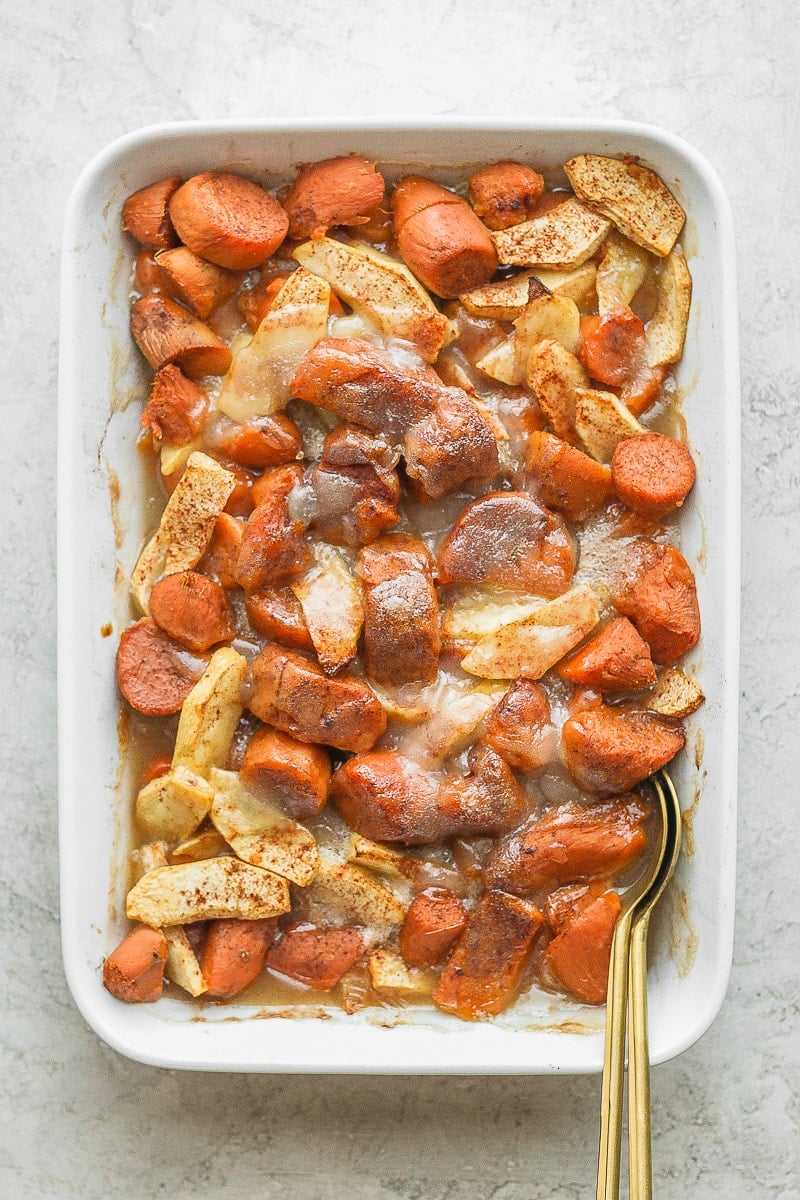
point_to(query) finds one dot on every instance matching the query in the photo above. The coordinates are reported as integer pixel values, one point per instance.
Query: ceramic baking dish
(98, 542)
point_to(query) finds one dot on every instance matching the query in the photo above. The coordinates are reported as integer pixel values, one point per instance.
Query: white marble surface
(76, 1120)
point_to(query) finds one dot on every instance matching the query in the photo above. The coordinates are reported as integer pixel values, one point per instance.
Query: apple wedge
(331, 599)
(259, 833)
(564, 237)
(207, 890)
(257, 383)
(636, 199)
(554, 375)
(602, 422)
(620, 273)
(666, 332)
(211, 712)
(186, 525)
(381, 289)
(531, 646)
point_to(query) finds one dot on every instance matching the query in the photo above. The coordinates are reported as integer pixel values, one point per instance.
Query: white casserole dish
(100, 371)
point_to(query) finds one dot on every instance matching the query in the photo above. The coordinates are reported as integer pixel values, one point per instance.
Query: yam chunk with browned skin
(520, 728)
(151, 671)
(440, 238)
(228, 219)
(564, 478)
(579, 956)
(614, 659)
(401, 611)
(315, 955)
(505, 193)
(361, 384)
(610, 750)
(356, 486)
(295, 695)
(234, 955)
(261, 443)
(450, 446)
(660, 597)
(135, 970)
(336, 191)
(219, 560)
(574, 842)
(274, 547)
(275, 613)
(293, 774)
(507, 539)
(166, 332)
(565, 903)
(387, 797)
(434, 921)
(481, 977)
(177, 409)
(145, 214)
(193, 610)
(200, 285)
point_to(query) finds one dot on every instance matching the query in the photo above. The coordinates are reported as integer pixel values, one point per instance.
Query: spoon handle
(639, 1143)
(608, 1161)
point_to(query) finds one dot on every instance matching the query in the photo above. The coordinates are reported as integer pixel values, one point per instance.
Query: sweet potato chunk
(261, 443)
(177, 408)
(200, 285)
(363, 385)
(565, 903)
(276, 613)
(565, 478)
(611, 750)
(219, 560)
(506, 538)
(505, 193)
(293, 773)
(652, 474)
(295, 695)
(145, 214)
(434, 921)
(450, 446)
(579, 956)
(228, 219)
(337, 191)
(234, 954)
(573, 842)
(615, 659)
(401, 611)
(273, 548)
(520, 729)
(166, 332)
(193, 610)
(483, 972)
(151, 673)
(440, 238)
(356, 486)
(316, 956)
(135, 970)
(613, 346)
(390, 798)
(661, 600)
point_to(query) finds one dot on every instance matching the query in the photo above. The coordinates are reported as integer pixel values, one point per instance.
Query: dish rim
(78, 979)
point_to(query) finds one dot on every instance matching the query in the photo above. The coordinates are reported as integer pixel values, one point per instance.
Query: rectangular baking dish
(101, 527)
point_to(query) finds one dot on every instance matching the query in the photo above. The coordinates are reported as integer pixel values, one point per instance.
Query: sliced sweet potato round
(507, 539)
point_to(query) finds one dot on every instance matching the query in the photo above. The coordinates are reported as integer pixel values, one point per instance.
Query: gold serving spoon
(629, 963)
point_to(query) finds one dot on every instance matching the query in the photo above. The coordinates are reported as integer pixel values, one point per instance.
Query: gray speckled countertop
(76, 1120)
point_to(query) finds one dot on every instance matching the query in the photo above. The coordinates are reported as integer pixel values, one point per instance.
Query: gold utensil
(639, 1158)
(640, 899)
